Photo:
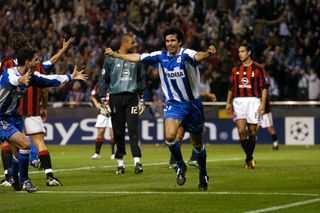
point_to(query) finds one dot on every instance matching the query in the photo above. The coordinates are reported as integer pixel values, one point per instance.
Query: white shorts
(33, 125)
(247, 108)
(103, 121)
(266, 120)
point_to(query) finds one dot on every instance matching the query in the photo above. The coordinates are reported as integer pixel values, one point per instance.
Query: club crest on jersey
(4, 125)
(179, 59)
(245, 83)
(103, 71)
(125, 75)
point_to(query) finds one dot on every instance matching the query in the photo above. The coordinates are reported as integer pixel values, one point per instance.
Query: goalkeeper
(123, 81)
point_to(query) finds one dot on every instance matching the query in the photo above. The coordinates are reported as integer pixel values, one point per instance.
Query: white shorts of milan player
(103, 121)
(247, 108)
(33, 125)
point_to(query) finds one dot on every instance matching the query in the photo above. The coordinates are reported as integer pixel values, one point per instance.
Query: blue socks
(33, 153)
(23, 163)
(14, 168)
(175, 150)
(202, 161)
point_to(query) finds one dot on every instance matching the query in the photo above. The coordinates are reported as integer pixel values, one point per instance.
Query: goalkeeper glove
(141, 106)
(105, 108)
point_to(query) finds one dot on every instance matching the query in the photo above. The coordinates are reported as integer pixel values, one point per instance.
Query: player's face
(34, 62)
(172, 44)
(244, 54)
(131, 44)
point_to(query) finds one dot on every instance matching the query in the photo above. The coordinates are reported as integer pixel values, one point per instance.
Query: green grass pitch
(287, 180)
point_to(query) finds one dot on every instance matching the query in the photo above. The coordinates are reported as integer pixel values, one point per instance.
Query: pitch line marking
(179, 193)
(112, 166)
(300, 203)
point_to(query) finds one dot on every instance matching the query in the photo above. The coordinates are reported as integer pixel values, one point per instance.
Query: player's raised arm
(200, 56)
(42, 81)
(64, 48)
(133, 57)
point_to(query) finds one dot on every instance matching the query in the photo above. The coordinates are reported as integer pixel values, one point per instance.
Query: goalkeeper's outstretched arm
(133, 57)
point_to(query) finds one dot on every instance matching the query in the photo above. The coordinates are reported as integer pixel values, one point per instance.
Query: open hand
(67, 44)
(79, 75)
(25, 79)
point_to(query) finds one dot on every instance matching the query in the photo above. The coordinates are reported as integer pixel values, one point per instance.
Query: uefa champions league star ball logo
(299, 131)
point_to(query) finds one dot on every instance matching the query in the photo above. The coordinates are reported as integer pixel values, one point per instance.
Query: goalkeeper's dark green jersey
(119, 76)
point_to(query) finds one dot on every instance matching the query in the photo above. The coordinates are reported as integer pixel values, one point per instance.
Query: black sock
(99, 142)
(246, 148)
(112, 146)
(274, 137)
(251, 145)
(6, 156)
(45, 161)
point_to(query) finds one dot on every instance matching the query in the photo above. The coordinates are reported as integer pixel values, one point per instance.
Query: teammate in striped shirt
(248, 91)
(17, 41)
(13, 83)
(33, 114)
(180, 81)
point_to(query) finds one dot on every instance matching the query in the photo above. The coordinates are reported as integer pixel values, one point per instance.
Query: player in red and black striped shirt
(248, 91)
(34, 114)
(102, 123)
(267, 122)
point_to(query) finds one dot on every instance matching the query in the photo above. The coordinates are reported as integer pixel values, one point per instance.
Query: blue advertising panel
(218, 131)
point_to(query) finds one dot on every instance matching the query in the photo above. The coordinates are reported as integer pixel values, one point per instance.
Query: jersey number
(134, 110)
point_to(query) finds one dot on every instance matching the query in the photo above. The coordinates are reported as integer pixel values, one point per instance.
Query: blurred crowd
(283, 33)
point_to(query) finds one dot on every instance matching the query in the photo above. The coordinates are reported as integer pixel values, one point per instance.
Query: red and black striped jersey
(8, 62)
(248, 81)
(95, 93)
(30, 101)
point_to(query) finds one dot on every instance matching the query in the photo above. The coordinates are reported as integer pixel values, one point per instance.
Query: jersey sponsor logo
(125, 75)
(175, 74)
(244, 84)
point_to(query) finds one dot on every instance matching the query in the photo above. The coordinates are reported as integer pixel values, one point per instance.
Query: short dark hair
(18, 41)
(248, 47)
(125, 37)
(174, 30)
(25, 53)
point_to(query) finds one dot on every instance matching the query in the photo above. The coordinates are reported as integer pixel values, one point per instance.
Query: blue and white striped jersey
(179, 74)
(11, 90)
